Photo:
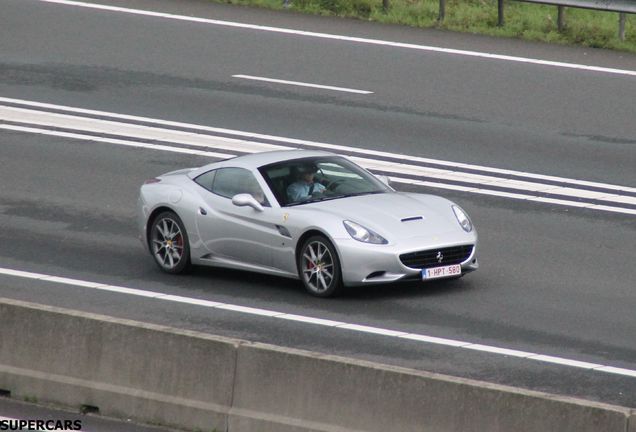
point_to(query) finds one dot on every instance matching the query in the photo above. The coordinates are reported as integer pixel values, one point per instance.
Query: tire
(319, 267)
(168, 243)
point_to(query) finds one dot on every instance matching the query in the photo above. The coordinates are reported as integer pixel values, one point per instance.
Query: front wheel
(319, 267)
(168, 241)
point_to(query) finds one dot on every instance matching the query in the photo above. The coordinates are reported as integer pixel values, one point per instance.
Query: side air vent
(412, 218)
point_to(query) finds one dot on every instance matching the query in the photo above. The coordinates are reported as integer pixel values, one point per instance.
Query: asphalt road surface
(554, 280)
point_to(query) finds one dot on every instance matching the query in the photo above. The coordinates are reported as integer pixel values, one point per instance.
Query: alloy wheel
(168, 243)
(317, 266)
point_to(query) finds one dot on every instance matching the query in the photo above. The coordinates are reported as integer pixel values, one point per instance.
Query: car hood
(395, 215)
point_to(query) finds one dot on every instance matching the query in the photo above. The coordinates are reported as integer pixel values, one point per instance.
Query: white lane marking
(373, 330)
(368, 163)
(310, 320)
(321, 322)
(44, 118)
(393, 178)
(503, 351)
(116, 141)
(435, 340)
(608, 208)
(248, 310)
(618, 371)
(502, 194)
(193, 301)
(325, 146)
(566, 362)
(477, 54)
(302, 84)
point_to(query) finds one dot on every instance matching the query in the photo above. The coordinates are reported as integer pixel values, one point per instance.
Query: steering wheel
(332, 186)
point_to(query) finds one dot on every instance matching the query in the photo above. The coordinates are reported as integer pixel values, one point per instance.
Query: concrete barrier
(127, 369)
(191, 380)
(276, 388)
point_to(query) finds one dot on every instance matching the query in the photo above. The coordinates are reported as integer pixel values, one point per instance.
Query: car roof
(257, 160)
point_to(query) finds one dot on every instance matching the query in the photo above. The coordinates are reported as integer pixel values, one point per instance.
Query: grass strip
(590, 28)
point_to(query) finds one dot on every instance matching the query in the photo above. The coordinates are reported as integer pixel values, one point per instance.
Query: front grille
(437, 257)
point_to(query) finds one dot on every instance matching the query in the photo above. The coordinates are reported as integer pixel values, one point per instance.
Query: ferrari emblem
(285, 217)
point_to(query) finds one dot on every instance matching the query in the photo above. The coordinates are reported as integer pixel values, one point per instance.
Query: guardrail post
(442, 10)
(500, 13)
(621, 26)
(560, 18)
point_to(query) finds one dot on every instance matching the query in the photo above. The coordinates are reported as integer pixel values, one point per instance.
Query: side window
(206, 180)
(232, 181)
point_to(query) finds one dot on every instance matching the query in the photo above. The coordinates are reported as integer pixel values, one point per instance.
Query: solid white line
(612, 209)
(57, 279)
(367, 41)
(514, 196)
(373, 330)
(374, 164)
(116, 141)
(318, 321)
(188, 300)
(435, 340)
(565, 362)
(310, 320)
(617, 371)
(134, 131)
(302, 84)
(502, 351)
(321, 145)
(249, 310)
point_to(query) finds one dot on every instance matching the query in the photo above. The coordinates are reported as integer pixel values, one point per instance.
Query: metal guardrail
(621, 6)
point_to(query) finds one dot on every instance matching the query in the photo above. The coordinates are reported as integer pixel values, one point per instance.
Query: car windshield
(302, 181)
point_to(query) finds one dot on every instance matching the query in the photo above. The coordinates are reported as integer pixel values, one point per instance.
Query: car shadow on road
(266, 287)
(408, 289)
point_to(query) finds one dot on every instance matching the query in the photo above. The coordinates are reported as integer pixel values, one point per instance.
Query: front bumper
(364, 264)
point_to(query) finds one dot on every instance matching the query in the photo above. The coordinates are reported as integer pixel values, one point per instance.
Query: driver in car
(305, 186)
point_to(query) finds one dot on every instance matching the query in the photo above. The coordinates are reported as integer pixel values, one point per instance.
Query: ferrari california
(308, 215)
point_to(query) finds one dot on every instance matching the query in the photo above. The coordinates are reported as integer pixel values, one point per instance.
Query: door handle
(202, 211)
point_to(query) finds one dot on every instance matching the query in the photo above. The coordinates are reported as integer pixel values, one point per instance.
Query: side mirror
(246, 200)
(384, 179)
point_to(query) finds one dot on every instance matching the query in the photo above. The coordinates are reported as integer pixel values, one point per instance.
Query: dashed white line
(302, 84)
(322, 322)
(477, 54)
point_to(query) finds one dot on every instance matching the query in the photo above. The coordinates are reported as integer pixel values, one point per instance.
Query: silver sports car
(308, 215)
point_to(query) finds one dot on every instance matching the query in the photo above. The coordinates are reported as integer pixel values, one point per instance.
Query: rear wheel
(319, 267)
(168, 241)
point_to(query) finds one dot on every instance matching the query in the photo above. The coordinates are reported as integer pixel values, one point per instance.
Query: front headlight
(463, 220)
(363, 234)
